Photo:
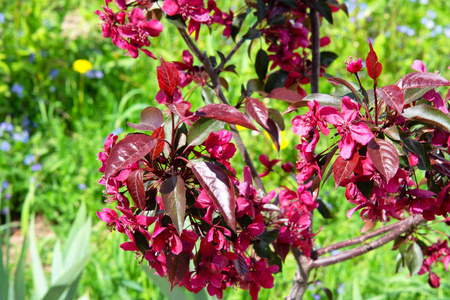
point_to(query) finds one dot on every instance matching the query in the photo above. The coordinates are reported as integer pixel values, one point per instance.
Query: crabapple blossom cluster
(176, 194)
(380, 164)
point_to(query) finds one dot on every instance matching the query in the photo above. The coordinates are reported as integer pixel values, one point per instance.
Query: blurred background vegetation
(54, 120)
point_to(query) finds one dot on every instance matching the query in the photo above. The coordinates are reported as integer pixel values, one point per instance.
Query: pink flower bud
(434, 280)
(354, 65)
(287, 167)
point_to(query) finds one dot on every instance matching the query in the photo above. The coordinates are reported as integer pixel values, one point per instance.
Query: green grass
(65, 137)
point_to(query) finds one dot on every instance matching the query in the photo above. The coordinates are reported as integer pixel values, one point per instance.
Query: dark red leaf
(180, 109)
(241, 267)
(226, 113)
(177, 267)
(393, 96)
(257, 110)
(173, 194)
(168, 77)
(128, 151)
(135, 185)
(384, 156)
(373, 66)
(421, 80)
(151, 118)
(274, 132)
(219, 188)
(285, 95)
(158, 135)
(343, 168)
(440, 164)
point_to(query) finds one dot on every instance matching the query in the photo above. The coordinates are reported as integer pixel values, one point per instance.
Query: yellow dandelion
(284, 142)
(82, 66)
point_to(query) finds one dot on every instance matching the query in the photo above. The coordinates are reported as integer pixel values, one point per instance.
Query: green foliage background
(68, 116)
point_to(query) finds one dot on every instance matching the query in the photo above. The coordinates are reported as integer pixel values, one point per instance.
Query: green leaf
(261, 64)
(276, 80)
(327, 57)
(324, 100)
(176, 20)
(237, 24)
(201, 129)
(276, 116)
(252, 34)
(57, 263)
(40, 283)
(356, 292)
(324, 9)
(413, 258)
(412, 95)
(173, 194)
(261, 10)
(19, 276)
(324, 209)
(427, 114)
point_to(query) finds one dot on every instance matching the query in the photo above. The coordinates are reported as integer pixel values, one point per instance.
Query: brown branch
(300, 282)
(315, 47)
(358, 240)
(234, 50)
(401, 227)
(219, 93)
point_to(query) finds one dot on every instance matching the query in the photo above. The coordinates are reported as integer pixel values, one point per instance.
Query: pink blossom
(354, 65)
(266, 162)
(349, 129)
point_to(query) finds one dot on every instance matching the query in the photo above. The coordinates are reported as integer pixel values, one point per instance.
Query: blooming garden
(188, 196)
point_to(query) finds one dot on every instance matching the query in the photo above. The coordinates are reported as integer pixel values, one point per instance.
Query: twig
(219, 93)
(402, 227)
(358, 240)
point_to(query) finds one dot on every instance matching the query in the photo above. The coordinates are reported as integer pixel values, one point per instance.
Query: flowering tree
(388, 147)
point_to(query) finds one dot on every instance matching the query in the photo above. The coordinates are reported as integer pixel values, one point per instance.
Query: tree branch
(358, 240)
(234, 50)
(400, 228)
(300, 282)
(219, 93)
(315, 47)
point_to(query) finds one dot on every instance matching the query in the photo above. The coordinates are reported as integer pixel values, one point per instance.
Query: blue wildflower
(36, 167)
(17, 89)
(316, 296)
(431, 14)
(53, 73)
(2, 18)
(5, 147)
(5, 210)
(32, 58)
(117, 131)
(52, 89)
(423, 2)
(8, 196)
(410, 32)
(29, 159)
(447, 31)
(340, 289)
(99, 74)
(5, 184)
(8, 127)
(363, 6)
(82, 186)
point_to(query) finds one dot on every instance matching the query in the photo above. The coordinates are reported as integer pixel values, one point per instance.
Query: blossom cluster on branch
(177, 195)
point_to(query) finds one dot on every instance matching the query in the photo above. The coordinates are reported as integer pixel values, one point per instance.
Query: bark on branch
(399, 228)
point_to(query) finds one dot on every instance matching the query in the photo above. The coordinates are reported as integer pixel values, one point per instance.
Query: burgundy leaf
(180, 109)
(384, 156)
(373, 66)
(135, 185)
(241, 267)
(393, 96)
(158, 135)
(173, 194)
(258, 111)
(151, 118)
(343, 168)
(168, 77)
(225, 113)
(421, 80)
(128, 151)
(274, 132)
(440, 164)
(177, 267)
(285, 95)
(219, 188)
